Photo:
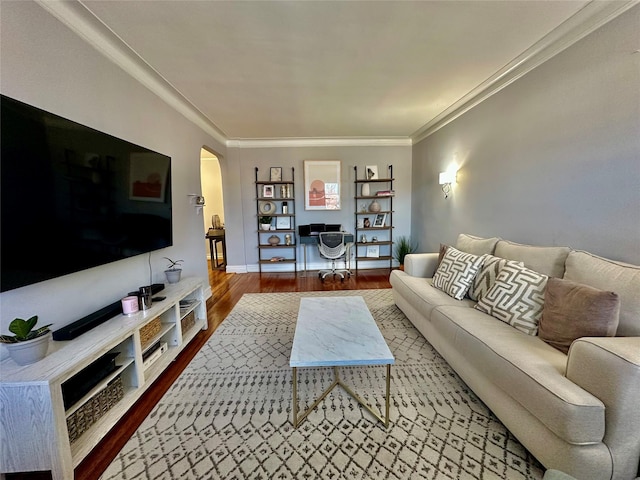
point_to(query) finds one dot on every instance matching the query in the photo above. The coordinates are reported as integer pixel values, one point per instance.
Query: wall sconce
(446, 179)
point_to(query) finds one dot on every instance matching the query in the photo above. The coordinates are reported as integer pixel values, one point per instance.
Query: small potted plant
(173, 270)
(27, 345)
(265, 222)
(403, 247)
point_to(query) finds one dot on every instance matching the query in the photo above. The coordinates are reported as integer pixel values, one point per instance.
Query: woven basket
(81, 420)
(188, 321)
(149, 331)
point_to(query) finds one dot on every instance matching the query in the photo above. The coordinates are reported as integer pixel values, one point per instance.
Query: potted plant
(402, 248)
(173, 271)
(265, 222)
(27, 345)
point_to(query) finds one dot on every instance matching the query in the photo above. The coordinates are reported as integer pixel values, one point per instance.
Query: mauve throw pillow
(441, 252)
(573, 310)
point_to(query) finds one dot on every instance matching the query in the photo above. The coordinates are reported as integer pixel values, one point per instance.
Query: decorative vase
(274, 240)
(265, 226)
(31, 351)
(173, 276)
(366, 190)
(287, 239)
(374, 206)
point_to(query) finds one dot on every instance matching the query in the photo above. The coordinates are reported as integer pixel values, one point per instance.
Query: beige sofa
(578, 413)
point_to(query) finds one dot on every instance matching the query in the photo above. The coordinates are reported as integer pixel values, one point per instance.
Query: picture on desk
(379, 220)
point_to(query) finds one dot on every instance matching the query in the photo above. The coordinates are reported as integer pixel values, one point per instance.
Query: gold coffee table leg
(337, 381)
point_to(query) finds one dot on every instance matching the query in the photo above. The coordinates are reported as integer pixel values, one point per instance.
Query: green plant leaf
(22, 327)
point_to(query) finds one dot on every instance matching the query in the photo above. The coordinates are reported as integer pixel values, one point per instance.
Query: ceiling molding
(593, 16)
(319, 142)
(81, 21)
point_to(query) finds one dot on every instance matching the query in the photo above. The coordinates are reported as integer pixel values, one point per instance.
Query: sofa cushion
(572, 310)
(516, 298)
(456, 272)
(527, 369)
(618, 277)
(547, 260)
(486, 276)
(420, 293)
(476, 245)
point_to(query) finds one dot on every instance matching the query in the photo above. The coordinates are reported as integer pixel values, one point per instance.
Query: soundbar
(77, 328)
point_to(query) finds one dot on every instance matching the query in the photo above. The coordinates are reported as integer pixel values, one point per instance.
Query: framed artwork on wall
(322, 184)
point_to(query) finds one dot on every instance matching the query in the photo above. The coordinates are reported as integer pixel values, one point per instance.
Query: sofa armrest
(609, 369)
(421, 264)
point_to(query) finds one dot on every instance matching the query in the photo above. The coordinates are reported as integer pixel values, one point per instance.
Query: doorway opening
(213, 213)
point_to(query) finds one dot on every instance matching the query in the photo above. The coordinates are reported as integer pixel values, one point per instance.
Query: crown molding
(319, 142)
(80, 20)
(591, 17)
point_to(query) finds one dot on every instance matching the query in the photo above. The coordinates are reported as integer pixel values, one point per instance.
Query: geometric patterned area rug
(228, 415)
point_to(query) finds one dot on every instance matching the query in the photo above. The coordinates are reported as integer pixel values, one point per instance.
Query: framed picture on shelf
(267, 191)
(373, 251)
(379, 220)
(283, 223)
(322, 185)
(371, 172)
(275, 174)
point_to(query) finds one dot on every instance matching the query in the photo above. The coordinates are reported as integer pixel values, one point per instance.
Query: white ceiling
(329, 69)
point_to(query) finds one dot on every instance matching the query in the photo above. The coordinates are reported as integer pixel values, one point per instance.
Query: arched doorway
(213, 213)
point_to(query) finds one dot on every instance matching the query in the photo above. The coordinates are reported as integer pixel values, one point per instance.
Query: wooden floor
(227, 289)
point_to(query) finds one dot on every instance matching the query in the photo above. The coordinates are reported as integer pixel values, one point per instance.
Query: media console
(46, 435)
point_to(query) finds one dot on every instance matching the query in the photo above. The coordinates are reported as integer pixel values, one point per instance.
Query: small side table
(216, 235)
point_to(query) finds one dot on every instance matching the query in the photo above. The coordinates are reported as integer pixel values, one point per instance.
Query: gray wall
(44, 64)
(263, 158)
(553, 159)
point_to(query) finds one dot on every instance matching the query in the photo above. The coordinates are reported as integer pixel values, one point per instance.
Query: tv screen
(73, 198)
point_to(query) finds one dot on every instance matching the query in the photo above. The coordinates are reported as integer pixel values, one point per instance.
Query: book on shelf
(385, 193)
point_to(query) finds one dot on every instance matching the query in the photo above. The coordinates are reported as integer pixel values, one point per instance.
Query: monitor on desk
(315, 228)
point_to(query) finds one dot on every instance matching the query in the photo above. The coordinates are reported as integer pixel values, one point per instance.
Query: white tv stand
(33, 419)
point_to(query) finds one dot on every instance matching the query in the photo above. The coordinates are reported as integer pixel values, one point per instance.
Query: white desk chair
(332, 247)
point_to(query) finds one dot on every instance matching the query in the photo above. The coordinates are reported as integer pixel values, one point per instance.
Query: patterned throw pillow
(516, 298)
(486, 276)
(456, 271)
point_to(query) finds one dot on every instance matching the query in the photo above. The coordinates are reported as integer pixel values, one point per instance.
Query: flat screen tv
(73, 198)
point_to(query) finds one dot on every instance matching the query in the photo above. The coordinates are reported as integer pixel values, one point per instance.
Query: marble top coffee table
(335, 332)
